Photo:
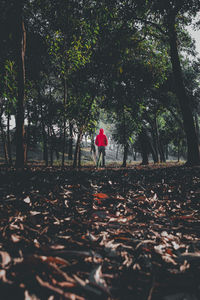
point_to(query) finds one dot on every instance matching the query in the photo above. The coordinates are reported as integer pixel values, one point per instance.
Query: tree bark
(178, 152)
(166, 152)
(28, 137)
(64, 122)
(193, 156)
(8, 141)
(79, 156)
(44, 137)
(154, 153)
(3, 137)
(92, 148)
(144, 146)
(77, 150)
(51, 145)
(20, 39)
(126, 146)
(70, 141)
(162, 152)
(153, 142)
(125, 143)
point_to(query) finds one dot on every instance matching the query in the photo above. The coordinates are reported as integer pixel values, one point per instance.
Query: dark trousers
(101, 157)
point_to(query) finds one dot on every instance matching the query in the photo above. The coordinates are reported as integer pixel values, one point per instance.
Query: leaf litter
(100, 234)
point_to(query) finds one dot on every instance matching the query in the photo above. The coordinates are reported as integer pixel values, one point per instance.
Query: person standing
(101, 141)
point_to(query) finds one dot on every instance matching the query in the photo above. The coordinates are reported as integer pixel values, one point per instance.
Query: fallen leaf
(101, 195)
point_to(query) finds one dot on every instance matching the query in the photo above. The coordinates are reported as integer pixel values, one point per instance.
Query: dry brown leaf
(5, 259)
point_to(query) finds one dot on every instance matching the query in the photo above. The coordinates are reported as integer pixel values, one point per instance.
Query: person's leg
(103, 156)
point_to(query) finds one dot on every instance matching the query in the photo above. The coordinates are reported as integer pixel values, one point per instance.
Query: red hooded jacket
(101, 139)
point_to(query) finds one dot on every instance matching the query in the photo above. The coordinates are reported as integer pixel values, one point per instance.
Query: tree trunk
(79, 156)
(154, 153)
(134, 155)
(153, 142)
(166, 152)
(70, 141)
(51, 145)
(44, 137)
(64, 123)
(20, 39)
(8, 141)
(193, 156)
(3, 137)
(92, 148)
(125, 155)
(125, 144)
(144, 147)
(54, 142)
(77, 150)
(158, 142)
(162, 152)
(178, 152)
(28, 138)
(154, 147)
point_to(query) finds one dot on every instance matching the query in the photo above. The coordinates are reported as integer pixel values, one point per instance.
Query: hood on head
(101, 131)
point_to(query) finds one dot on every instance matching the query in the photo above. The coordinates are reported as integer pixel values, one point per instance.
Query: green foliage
(112, 55)
(10, 87)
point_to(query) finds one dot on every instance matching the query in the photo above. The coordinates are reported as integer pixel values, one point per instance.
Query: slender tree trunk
(167, 152)
(158, 141)
(28, 139)
(154, 145)
(144, 147)
(54, 141)
(64, 123)
(85, 138)
(51, 145)
(134, 154)
(20, 65)
(110, 143)
(161, 151)
(3, 137)
(178, 154)
(154, 153)
(193, 156)
(92, 149)
(126, 146)
(70, 141)
(44, 137)
(154, 133)
(77, 149)
(79, 156)
(8, 141)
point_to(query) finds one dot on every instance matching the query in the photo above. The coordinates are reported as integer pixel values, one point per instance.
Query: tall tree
(19, 37)
(168, 17)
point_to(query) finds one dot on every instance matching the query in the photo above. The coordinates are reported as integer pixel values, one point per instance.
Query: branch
(157, 26)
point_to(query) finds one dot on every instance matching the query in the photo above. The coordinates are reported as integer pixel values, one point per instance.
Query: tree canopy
(64, 61)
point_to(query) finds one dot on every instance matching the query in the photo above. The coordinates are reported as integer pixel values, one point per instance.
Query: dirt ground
(112, 233)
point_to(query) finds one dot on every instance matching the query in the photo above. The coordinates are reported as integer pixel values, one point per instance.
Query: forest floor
(111, 233)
